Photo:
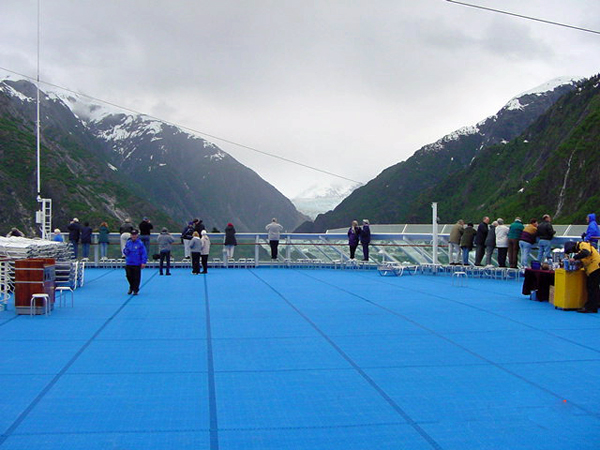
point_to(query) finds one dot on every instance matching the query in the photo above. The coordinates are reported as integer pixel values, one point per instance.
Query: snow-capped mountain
(174, 171)
(391, 196)
(319, 199)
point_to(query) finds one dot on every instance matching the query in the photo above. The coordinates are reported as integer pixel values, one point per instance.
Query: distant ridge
(397, 194)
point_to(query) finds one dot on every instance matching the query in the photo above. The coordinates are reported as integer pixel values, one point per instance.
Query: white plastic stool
(459, 276)
(32, 304)
(62, 292)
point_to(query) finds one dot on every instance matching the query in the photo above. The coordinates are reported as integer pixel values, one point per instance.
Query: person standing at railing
(592, 233)
(514, 235)
(454, 241)
(528, 238)
(365, 238)
(274, 230)
(125, 232)
(545, 233)
(230, 241)
(195, 251)
(74, 234)
(165, 241)
(480, 237)
(57, 236)
(86, 239)
(103, 232)
(501, 232)
(204, 250)
(353, 238)
(186, 239)
(466, 242)
(145, 230)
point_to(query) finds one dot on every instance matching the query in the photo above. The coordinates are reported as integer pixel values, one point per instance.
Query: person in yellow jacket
(590, 258)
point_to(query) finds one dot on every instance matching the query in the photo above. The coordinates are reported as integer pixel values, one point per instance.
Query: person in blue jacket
(135, 260)
(592, 231)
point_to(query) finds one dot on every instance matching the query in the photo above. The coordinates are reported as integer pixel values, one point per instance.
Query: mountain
(553, 168)
(101, 163)
(394, 196)
(318, 199)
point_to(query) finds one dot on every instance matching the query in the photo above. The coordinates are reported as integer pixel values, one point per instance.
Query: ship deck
(299, 359)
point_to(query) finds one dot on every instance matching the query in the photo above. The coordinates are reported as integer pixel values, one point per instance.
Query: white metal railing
(413, 245)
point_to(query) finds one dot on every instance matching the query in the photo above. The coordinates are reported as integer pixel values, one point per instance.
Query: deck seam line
(410, 421)
(212, 395)
(483, 358)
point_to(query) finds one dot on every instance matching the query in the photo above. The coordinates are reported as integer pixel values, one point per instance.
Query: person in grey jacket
(454, 241)
(195, 249)
(165, 242)
(274, 230)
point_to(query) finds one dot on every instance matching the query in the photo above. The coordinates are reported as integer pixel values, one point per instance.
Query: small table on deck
(540, 281)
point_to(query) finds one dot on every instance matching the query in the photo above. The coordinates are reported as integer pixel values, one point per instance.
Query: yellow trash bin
(569, 289)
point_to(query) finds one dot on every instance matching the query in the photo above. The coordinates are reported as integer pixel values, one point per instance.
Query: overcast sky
(351, 87)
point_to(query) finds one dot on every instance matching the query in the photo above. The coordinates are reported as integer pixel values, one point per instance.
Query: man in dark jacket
(545, 233)
(145, 230)
(86, 239)
(466, 242)
(480, 237)
(74, 234)
(365, 239)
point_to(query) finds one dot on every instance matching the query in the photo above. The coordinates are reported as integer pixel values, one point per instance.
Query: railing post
(435, 232)
(256, 250)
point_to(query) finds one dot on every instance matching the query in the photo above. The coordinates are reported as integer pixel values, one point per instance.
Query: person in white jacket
(204, 250)
(274, 230)
(502, 242)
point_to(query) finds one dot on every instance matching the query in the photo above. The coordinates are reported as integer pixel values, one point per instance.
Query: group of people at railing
(508, 240)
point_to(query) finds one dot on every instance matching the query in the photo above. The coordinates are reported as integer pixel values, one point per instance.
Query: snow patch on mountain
(320, 198)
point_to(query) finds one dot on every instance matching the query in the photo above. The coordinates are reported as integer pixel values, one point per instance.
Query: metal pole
(435, 232)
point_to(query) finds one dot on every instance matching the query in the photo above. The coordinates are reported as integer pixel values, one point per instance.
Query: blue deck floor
(299, 359)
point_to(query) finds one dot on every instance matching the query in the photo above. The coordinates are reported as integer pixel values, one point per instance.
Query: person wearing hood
(514, 235)
(592, 233)
(204, 250)
(165, 241)
(230, 241)
(589, 257)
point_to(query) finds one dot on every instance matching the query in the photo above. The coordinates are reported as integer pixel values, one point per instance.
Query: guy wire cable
(550, 22)
(211, 136)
